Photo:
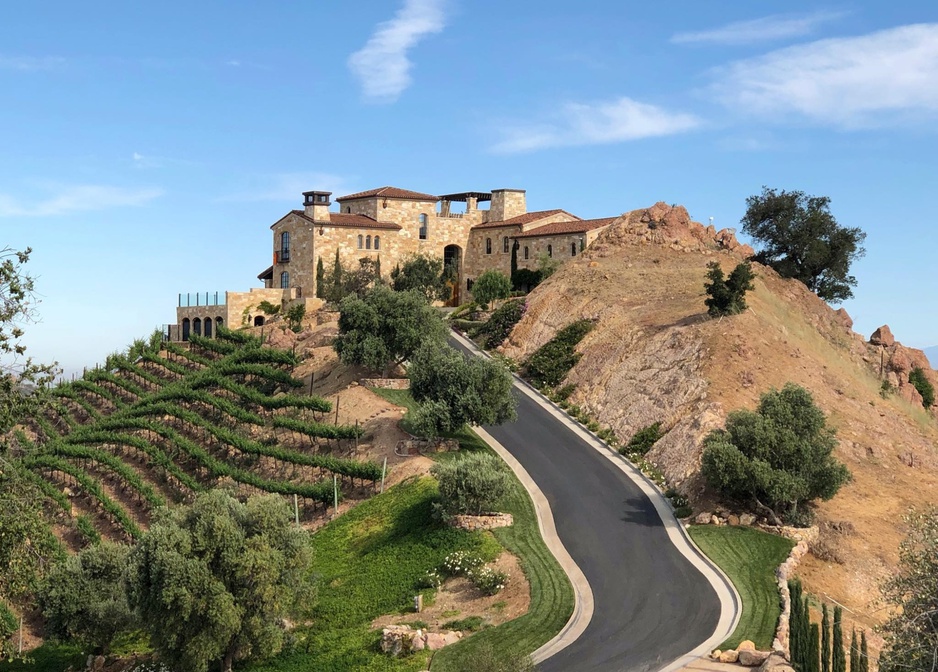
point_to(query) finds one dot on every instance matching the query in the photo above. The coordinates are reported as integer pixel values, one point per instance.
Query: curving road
(651, 605)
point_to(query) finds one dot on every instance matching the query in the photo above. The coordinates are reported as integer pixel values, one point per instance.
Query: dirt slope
(655, 355)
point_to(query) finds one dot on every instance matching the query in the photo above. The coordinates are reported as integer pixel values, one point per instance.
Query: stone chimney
(507, 203)
(316, 205)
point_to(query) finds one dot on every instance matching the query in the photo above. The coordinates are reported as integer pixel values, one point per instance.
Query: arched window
(572, 249)
(284, 280)
(259, 321)
(186, 326)
(505, 244)
(361, 242)
(197, 326)
(377, 242)
(367, 242)
(424, 225)
(525, 251)
(208, 327)
(348, 209)
(285, 246)
(488, 246)
(550, 250)
(219, 322)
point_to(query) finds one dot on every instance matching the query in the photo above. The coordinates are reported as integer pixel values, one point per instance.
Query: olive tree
(778, 456)
(212, 582)
(473, 484)
(423, 273)
(489, 286)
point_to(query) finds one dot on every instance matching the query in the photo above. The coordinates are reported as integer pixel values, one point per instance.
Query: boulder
(437, 640)
(715, 654)
(729, 656)
(883, 336)
(396, 639)
(702, 519)
(747, 519)
(752, 658)
(844, 317)
(776, 662)
(746, 645)
(732, 519)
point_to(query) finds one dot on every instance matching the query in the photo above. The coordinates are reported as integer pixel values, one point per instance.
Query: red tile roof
(349, 221)
(561, 228)
(266, 275)
(391, 192)
(521, 220)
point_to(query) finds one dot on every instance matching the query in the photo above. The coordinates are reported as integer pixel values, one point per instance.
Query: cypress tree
(795, 642)
(337, 278)
(814, 649)
(825, 639)
(514, 263)
(838, 655)
(378, 268)
(854, 665)
(806, 638)
(320, 279)
(864, 654)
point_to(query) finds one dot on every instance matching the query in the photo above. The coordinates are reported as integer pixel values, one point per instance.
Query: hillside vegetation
(654, 355)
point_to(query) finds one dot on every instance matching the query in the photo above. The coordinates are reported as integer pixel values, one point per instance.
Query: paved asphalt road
(650, 604)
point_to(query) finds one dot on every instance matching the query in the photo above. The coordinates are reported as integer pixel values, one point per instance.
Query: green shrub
(87, 529)
(501, 323)
(564, 392)
(473, 484)
(525, 279)
(469, 624)
(490, 286)
(642, 441)
(295, 317)
(489, 581)
(923, 385)
(549, 364)
(8, 622)
(461, 563)
(268, 308)
(726, 296)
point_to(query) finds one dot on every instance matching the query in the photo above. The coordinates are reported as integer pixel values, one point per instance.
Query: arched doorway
(208, 327)
(259, 321)
(197, 326)
(452, 271)
(186, 326)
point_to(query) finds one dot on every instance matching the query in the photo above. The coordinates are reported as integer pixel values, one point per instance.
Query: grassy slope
(551, 592)
(749, 557)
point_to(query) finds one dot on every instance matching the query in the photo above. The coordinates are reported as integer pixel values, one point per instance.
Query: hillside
(655, 355)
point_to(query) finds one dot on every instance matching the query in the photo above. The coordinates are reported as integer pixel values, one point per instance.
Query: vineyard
(163, 422)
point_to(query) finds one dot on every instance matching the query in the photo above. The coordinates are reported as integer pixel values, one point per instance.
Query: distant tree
(825, 639)
(423, 273)
(489, 286)
(360, 281)
(547, 265)
(212, 582)
(864, 653)
(854, 664)
(383, 328)
(514, 263)
(295, 316)
(320, 279)
(378, 268)
(779, 456)
(814, 649)
(453, 390)
(336, 294)
(471, 485)
(911, 633)
(21, 379)
(923, 385)
(801, 239)
(84, 599)
(727, 296)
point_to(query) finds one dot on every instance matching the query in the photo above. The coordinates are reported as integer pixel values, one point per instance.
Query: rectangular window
(505, 245)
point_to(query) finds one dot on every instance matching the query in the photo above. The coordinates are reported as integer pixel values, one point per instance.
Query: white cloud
(880, 78)
(583, 124)
(382, 64)
(76, 198)
(30, 63)
(288, 187)
(775, 27)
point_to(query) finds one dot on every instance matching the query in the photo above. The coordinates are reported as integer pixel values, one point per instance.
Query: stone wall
(477, 261)
(243, 306)
(387, 383)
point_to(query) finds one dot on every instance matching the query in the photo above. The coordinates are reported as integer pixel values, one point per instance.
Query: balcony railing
(281, 256)
(201, 299)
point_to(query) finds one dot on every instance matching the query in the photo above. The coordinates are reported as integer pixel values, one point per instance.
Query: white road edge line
(730, 602)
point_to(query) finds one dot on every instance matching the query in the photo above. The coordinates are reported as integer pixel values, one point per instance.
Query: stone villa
(391, 223)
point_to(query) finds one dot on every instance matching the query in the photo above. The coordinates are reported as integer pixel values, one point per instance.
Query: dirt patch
(459, 599)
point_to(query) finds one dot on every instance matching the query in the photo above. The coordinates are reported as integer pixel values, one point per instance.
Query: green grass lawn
(749, 557)
(551, 592)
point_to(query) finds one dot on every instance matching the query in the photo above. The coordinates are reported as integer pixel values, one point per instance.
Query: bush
(469, 624)
(727, 296)
(642, 441)
(564, 392)
(923, 385)
(473, 484)
(268, 308)
(525, 279)
(295, 317)
(489, 286)
(8, 626)
(461, 563)
(489, 581)
(501, 323)
(549, 364)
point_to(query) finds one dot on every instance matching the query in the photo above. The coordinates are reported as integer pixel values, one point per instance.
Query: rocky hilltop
(656, 356)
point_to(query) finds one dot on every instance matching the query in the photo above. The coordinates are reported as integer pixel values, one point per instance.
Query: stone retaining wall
(387, 383)
(489, 522)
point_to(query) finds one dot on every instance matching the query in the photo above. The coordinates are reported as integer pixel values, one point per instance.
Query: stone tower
(507, 203)
(316, 205)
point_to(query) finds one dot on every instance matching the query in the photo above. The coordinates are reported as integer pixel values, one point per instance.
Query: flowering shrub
(432, 579)
(488, 580)
(458, 563)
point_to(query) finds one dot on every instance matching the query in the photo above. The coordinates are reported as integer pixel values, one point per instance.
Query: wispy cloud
(30, 63)
(765, 29)
(871, 80)
(287, 187)
(602, 123)
(382, 65)
(76, 198)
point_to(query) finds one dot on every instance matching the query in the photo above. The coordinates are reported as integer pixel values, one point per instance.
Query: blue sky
(146, 148)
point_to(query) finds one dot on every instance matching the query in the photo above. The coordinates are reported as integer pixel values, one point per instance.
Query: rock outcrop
(895, 362)
(397, 640)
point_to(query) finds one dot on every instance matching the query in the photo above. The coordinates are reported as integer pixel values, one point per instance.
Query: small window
(361, 242)
(367, 242)
(424, 222)
(488, 246)
(505, 244)
(525, 251)
(377, 242)
(468, 284)
(348, 209)
(550, 250)
(284, 280)
(572, 249)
